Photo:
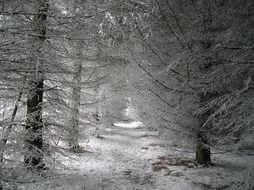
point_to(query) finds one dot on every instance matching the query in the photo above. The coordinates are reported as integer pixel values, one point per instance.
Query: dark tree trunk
(34, 125)
(203, 154)
(33, 157)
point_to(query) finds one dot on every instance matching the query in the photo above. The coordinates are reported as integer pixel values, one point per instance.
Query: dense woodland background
(70, 67)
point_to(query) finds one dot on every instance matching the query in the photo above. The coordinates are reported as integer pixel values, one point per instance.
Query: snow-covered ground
(131, 157)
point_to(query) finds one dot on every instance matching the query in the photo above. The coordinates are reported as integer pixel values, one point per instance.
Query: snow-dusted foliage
(131, 87)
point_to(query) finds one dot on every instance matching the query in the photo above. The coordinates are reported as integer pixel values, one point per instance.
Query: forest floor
(129, 156)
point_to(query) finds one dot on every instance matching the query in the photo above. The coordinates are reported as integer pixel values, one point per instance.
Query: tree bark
(34, 125)
(33, 155)
(73, 124)
(203, 154)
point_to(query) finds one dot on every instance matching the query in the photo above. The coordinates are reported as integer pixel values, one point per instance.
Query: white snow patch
(133, 124)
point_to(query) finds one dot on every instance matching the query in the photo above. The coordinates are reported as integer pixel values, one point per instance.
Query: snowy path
(121, 160)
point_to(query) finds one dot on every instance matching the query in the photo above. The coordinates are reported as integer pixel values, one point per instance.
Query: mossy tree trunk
(33, 155)
(203, 153)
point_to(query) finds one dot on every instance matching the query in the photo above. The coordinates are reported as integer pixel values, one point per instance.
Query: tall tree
(203, 155)
(33, 156)
(73, 124)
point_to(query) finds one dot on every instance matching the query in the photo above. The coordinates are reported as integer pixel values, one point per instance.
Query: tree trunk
(73, 124)
(33, 155)
(203, 154)
(34, 125)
